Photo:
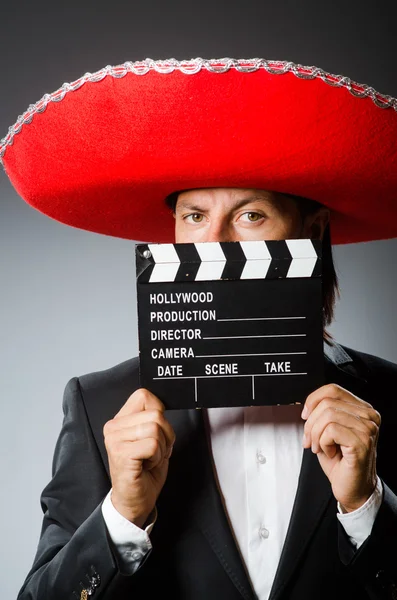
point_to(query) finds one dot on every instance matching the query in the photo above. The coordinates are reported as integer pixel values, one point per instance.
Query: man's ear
(315, 224)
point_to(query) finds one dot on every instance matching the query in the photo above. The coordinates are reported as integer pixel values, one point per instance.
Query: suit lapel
(314, 491)
(311, 500)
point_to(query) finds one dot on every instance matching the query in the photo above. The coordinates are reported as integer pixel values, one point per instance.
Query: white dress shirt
(257, 455)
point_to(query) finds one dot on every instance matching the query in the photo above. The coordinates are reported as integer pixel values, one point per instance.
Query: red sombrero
(103, 152)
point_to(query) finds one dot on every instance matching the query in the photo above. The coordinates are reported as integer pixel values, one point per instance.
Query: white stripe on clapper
(166, 262)
(304, 258)
(258, 259)
(212, 261)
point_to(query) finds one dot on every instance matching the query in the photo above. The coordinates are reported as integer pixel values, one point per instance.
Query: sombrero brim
(103, 152)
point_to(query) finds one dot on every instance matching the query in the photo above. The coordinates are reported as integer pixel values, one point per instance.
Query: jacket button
(382, 579)
(386, 583)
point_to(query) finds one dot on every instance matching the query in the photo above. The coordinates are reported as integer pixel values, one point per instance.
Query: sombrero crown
(103, 152)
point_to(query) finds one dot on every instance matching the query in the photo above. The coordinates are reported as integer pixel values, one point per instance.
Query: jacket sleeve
(74, 550)
(375, 563)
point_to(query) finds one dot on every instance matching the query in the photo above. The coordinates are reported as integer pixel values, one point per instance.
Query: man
(128, 476)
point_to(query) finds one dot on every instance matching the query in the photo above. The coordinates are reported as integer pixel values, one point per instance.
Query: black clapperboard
(230, 323)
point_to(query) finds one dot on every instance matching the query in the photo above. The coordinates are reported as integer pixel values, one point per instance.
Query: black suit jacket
(194, 554)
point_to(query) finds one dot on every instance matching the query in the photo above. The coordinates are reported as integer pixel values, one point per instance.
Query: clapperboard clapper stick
(230, 323)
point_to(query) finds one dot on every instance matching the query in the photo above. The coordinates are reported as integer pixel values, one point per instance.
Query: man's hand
(343, 431)
(139, 443)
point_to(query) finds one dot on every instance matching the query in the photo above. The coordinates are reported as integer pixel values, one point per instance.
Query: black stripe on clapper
(281, 259)
(318, 267)
(235, 260)
(190, 262)
(317, 271)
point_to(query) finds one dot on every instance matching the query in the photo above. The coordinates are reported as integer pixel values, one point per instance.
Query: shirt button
(264, 533)
(260, 458)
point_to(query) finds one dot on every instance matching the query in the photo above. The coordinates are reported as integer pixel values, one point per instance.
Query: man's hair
(330, 288)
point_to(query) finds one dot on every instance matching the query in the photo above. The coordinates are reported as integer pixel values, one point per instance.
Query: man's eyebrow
(238, 204)
(248, 200)
(189, 206)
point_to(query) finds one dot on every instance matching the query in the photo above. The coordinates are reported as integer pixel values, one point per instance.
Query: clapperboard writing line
(263, 319)
(220, 376)
(246, 354)
(251, 337)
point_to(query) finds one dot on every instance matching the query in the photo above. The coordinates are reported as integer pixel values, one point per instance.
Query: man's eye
(194, 218)
(251, 217)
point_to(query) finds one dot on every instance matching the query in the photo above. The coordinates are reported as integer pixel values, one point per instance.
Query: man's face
(231, 214)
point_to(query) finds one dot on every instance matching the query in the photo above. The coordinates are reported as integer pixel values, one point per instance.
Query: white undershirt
(257, 454)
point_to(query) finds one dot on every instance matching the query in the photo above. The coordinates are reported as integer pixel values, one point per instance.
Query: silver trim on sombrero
(190, 67)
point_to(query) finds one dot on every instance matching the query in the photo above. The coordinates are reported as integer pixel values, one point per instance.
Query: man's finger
(338, 435)
(139, 432)
(126, 422)
(314, 430)
(359, 409)
(329, 408)
(333, 392)
(148, 451)
(139, 401)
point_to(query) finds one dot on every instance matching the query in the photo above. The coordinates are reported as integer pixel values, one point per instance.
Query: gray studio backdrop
(68, 296)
